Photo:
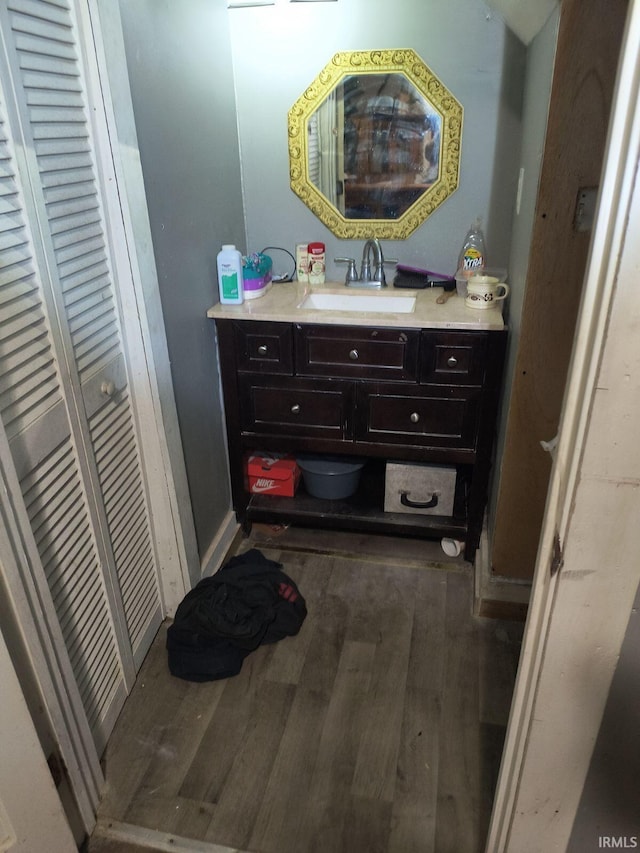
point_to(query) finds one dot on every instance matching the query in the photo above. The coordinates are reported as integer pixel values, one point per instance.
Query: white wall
(278, 50)
(609, 803)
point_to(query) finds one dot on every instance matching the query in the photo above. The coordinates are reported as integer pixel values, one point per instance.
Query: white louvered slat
(25, 300)
(80, 204)
(77, 263)
(29, 385)
(12, 259)
(89, 244)
(65, 164)
(51, 78)
(83, 303)
(61, 143)
(97, 352)
(54, 498)
(41, 18)
(56, 181)
(17, 402)
(117, 458)
(65, 192)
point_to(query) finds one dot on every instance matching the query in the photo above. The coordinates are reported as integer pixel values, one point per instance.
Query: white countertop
(281, 302)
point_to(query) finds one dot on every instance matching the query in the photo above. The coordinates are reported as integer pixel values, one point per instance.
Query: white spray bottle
(230, 281)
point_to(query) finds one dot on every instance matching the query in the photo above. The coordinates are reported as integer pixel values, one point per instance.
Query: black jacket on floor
(249, 601)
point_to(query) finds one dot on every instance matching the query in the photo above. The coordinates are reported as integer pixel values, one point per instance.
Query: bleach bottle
(230, 282)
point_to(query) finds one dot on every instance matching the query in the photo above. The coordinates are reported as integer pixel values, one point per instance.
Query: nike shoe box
(272, 474)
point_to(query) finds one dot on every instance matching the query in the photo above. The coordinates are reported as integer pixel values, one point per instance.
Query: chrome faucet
(367, 277)
(378, 258)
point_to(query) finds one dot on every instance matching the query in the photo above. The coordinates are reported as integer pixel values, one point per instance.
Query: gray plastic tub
(332, 477)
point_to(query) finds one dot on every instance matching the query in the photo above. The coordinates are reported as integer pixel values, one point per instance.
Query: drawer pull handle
(415, 417)
(295, 409)
(353, 355)
(405, 501)
(262, 349)
(108, 388)
(452, 361)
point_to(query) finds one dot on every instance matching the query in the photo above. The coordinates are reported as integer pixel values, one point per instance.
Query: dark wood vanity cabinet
(383, 394)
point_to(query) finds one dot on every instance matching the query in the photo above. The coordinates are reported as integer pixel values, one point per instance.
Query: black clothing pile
(248, 602)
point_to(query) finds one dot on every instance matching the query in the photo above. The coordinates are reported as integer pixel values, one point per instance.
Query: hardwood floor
(378, 729)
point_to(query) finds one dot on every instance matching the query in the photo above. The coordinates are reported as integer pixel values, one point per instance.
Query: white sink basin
(377, 302)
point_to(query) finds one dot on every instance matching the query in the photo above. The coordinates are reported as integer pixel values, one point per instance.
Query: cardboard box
(412, 488)
(272, 474)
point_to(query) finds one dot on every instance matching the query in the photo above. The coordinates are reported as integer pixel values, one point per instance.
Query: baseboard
(220, 546)
(151, 839)
(497, 597)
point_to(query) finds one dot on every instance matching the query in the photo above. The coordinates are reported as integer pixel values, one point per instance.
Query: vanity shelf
(403, 394)
(363, 511)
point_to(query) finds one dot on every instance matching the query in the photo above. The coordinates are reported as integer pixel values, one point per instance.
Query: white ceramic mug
(483, 292)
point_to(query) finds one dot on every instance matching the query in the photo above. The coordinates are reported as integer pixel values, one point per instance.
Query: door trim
(31, 814)
(134, 262)
(578, 603)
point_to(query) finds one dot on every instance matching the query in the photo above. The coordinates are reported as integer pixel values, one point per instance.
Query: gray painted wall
(190, 108)
(278, 51)
(180, 71)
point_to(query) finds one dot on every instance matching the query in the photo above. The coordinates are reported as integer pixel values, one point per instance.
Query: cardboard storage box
(423, 489)
(272, 474)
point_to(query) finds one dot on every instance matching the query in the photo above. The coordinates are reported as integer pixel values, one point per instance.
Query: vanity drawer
(453, 357)
(357, 352)
(264, 347)
(430, 416)
(296, 407)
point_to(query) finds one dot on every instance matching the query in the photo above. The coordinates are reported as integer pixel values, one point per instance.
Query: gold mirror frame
(345, 64)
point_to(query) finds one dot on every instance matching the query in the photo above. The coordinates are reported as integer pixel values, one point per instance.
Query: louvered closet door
(65, 395)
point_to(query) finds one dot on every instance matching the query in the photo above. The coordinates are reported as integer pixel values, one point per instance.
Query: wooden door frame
(585, 579)
(587, 52)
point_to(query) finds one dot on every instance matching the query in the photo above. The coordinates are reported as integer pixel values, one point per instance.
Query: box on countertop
(272, 474)
(416, 488)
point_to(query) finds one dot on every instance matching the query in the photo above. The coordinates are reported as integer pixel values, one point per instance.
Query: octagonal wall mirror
(374, 144)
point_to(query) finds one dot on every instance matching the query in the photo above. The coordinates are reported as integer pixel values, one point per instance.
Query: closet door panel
(61, 136)
(55, 502)
(118, 465)
(34, 414)
(59, 129)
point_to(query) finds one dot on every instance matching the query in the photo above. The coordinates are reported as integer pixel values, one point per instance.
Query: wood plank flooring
(378, 729)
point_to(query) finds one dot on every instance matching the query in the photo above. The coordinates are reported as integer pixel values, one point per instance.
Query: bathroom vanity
(419, 383)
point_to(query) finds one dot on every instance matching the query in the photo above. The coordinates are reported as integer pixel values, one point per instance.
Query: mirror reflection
(374, 146)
